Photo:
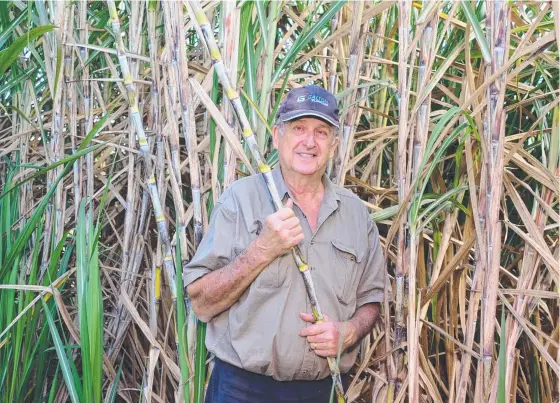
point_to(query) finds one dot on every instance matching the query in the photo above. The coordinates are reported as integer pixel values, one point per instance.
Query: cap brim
(299, 114)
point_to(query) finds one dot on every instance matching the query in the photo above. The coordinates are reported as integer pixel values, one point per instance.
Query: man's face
(305, 145)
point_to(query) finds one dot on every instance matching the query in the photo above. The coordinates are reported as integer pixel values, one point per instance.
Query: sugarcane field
(252, 201)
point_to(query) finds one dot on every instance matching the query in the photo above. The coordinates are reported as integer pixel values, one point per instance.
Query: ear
(275, 136)
(333, 146)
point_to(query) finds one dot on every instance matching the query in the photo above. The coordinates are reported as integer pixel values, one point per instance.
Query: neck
(304, 187)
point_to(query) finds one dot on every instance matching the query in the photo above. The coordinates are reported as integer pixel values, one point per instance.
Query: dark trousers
(229, 384)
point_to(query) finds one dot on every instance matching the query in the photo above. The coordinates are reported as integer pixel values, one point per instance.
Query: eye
(322, 134)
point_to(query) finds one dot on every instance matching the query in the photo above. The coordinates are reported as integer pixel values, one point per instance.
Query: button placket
(307, 365)
(307, 362)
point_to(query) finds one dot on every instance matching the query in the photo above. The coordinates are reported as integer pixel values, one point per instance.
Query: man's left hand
(328, 337)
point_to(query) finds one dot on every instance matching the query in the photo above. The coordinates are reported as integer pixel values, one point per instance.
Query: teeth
(306, 155)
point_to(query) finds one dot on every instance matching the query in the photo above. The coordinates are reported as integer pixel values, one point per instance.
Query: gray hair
(280, 124)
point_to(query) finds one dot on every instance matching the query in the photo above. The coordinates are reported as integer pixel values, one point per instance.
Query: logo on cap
(313, 98)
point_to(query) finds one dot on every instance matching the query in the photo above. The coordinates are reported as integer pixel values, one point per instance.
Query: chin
(306, 170)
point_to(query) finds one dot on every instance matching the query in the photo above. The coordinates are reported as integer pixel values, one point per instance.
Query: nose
(309, 140)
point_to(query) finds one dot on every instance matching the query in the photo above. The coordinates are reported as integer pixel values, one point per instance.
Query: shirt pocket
(275, 275)
(347, 258)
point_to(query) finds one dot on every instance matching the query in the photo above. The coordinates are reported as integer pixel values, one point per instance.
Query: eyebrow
(322, 126)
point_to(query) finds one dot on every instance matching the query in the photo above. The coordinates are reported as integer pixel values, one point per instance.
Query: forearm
(360, 324)
(220, 289)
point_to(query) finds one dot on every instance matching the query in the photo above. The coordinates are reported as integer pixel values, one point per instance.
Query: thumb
(289, 203)
(307, 317)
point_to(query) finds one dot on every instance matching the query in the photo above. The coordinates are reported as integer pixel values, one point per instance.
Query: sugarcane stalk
(161, 221)
(480, 272)
(85, 105)
(368, 71)
(487, 256)
(332, 77)
(71, 106)
(424, 67)
(180, 68)
(462, 370)
(129, 238)
(49, 43)
(182, 258)
(268, 64)
(179, 80)
(412, 322)
(195, 345)
(185, 390)
(530, 261)
(402, 188)
(472, 319)
(26, 190)
(419, 146)
(155, 283)
(380, 71)
(53, 212)
(332, 73)
(60, 103)
(175, 174)
(250, 139)
(172, 16)
(356, 45)
(230, 38)
(498, 15)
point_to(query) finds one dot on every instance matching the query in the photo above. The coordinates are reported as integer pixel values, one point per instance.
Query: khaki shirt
(259, 332)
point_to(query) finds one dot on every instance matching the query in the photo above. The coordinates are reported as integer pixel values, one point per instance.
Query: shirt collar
(331, 196)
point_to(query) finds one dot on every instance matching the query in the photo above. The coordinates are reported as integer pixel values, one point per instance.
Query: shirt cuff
(374, 296)
(193, 274)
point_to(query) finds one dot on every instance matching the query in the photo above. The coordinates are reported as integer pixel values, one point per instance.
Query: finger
(325, 346)
(292, 223)
(289, 203)
(296, 231)
(284, 213)
(297, 239)
(306, 317)
(312, 330)
(319, 339)
(323, 349)
(325, 353)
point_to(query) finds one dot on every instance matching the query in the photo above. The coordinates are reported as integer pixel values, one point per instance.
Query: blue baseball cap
(309, 101)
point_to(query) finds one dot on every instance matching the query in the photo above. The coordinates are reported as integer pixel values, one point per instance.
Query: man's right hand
(281, 232)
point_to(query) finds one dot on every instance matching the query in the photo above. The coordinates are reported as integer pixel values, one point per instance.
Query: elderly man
(244, 283)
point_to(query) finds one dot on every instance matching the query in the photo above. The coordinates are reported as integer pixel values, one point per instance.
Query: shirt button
(311, 242)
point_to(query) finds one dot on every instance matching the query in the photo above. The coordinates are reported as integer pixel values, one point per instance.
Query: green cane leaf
(8, 56)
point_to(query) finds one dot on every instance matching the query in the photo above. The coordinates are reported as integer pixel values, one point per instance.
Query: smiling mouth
(305, 155)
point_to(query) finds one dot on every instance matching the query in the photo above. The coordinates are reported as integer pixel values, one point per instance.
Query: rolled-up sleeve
(216, 248)
(372, 283)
